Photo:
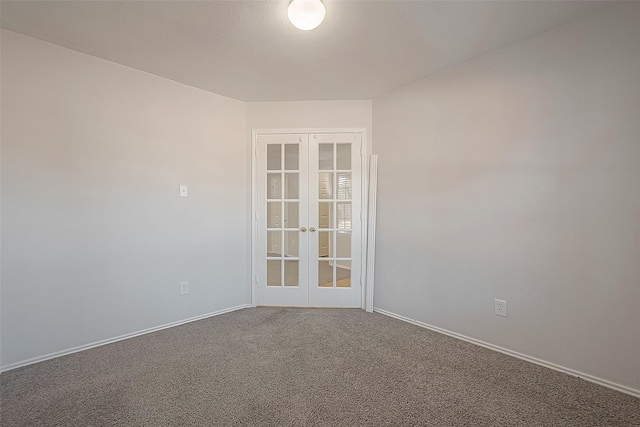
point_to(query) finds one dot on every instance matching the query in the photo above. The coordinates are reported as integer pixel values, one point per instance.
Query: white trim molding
(605, 383)
(371, 231)
(118, 338)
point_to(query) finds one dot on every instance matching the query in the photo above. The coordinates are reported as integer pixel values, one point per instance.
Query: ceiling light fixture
(306, 14)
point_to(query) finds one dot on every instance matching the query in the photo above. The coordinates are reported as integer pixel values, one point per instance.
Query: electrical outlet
(184, 288)
(500, 308)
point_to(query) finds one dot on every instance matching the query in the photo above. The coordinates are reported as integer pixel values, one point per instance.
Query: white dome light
(306, 14)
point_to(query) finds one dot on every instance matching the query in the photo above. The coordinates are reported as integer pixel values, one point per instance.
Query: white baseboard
(587, 377)
(116, 339)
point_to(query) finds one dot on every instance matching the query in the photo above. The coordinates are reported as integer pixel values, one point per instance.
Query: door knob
(303, 229)
(312, 229)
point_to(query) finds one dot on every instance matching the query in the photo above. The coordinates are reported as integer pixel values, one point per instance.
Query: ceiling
(249, 51)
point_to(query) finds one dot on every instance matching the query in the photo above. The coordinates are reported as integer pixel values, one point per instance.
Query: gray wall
(94, 236)
(517, 176)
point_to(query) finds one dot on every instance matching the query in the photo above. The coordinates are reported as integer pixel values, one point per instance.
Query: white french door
(309, 228)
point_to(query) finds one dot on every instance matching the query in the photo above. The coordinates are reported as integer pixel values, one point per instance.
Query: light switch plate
(184, 191)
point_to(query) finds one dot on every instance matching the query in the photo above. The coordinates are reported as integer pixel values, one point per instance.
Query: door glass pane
(344, 215)
(325, 215)
(291, 156)
(291, 215)
(344, 156)
(325, 274)
(325, 156)
(343, 274)
(344, 186)
(325, 185)
(291, 273)
(325, 246)
(291, 186)
(274, 186)
(274, 273)
(343, 245)
(274, 215)
(273, 157)
(291, 243)
(274, 243)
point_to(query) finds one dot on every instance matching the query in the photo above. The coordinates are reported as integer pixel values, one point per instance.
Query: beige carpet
(303, 367)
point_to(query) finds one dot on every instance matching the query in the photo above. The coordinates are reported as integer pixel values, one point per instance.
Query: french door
(309, 228)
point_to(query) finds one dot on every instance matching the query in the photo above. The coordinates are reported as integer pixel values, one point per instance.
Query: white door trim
(364, 203)
(371, 231)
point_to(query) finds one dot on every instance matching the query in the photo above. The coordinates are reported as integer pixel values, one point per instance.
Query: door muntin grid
(282, 207)
(321, 195)
(335, 215)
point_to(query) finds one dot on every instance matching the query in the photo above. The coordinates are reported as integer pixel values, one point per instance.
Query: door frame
(364, 160)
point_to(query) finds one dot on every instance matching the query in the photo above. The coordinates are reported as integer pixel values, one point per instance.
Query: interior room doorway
(308, 240)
